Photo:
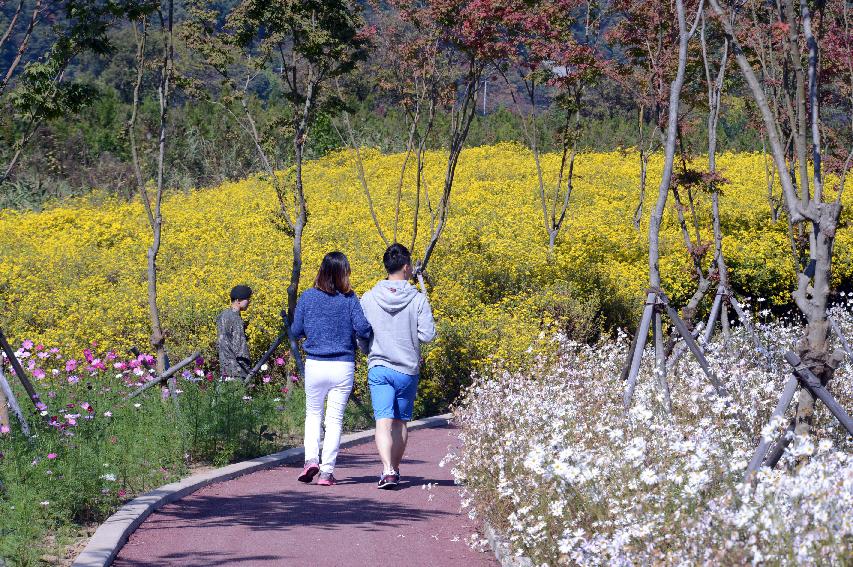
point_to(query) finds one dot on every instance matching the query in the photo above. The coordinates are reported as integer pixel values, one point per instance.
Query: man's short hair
(396, 256)
(240, 292)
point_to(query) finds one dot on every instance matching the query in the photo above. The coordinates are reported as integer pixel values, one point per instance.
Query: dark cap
(241, 292)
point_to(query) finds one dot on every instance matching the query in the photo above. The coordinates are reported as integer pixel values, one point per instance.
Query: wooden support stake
(682, 329)
(19, 371)
(165, 376)
(4, 410)
(626, 368)
(681, 347)
(781, 444)
(751, 330)
(266, 356)
(781, 406)
(636, 356)
(13, 402)
(712, 318)
(837, 330)
(660, 360)
(813, 384)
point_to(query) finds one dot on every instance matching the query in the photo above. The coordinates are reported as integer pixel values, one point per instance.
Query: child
(234, 360)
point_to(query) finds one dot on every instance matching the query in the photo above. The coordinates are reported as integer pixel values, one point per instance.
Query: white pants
(328, 381)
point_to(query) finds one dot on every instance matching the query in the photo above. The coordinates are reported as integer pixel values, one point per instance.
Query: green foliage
(68, 476)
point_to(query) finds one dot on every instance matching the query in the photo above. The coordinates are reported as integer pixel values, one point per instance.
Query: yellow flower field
(76, 273)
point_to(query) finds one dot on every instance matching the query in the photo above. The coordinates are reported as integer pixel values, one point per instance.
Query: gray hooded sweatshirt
(401, 319)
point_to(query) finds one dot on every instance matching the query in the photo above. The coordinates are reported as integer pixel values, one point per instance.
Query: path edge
(111, 536)
(502, 549)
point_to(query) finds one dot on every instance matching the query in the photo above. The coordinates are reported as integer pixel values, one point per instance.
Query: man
(234, 360)
(401, 319)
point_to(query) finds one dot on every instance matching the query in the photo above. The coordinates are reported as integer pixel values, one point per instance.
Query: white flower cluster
(550, 457)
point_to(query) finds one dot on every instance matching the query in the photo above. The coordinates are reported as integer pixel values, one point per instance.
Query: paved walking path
(268, 518)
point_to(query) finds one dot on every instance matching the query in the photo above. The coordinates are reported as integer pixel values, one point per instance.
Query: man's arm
(223, 338)
(426, 323)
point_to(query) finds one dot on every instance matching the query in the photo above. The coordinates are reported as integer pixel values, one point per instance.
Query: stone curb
(502, 549)
(115, 531)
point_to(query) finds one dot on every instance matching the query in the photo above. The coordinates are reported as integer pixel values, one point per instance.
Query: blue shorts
(392, 393)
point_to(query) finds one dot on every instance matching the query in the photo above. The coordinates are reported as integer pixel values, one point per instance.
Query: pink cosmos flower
(279, 361)
(51, 456)
(39, 373)
(122, 493)
(4, 429)
(54, 350)
(41, 406)
(86, 406)
(267, 378)
(111, 355)
(51, 394)
(73, 379)
(70, 365)
(27, 344)
(31, 364)
(87, 354)
(294, 378)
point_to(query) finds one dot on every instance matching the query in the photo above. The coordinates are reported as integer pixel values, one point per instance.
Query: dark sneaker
(308, 472)
(388, 481)
(326, 479)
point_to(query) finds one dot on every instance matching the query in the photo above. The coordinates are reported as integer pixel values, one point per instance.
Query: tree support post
(19, 371)
(682, 329)
(763, 445)
(13, 403)
(636, 355)
(817, 389)
(751, 330)
(837, 330)
(166, 375)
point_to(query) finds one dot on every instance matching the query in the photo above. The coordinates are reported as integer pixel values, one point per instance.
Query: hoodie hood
(394, 296)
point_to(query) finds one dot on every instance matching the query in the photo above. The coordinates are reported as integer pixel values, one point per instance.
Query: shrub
(76, 273)
(550, 457)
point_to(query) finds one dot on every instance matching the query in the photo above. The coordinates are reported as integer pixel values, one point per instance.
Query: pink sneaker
(326, 479)
(308, 472)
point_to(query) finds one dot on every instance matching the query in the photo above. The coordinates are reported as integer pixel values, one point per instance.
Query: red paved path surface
(268, 518)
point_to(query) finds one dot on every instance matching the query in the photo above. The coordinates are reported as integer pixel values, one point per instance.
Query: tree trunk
(669, 150)
(158, 339)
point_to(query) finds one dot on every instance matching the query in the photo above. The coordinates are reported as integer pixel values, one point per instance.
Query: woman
(330, 318)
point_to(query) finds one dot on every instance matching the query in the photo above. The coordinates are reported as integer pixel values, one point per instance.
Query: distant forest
(81, 142)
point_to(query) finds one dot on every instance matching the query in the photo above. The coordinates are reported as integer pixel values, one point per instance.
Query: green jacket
(233, 347)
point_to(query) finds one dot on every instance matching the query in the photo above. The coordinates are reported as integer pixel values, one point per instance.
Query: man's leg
(385, 443)
(406, 390)
(399, 438)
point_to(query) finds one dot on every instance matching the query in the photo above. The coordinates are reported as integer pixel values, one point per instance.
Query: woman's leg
(315, 394)
(341, 375)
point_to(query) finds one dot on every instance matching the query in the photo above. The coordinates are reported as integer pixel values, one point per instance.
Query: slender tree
(811, 209)
(556, 54)
(35, 85)
(443, 49)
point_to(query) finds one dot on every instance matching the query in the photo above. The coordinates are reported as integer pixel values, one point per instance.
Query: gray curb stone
(502, 549)
(115, 531)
